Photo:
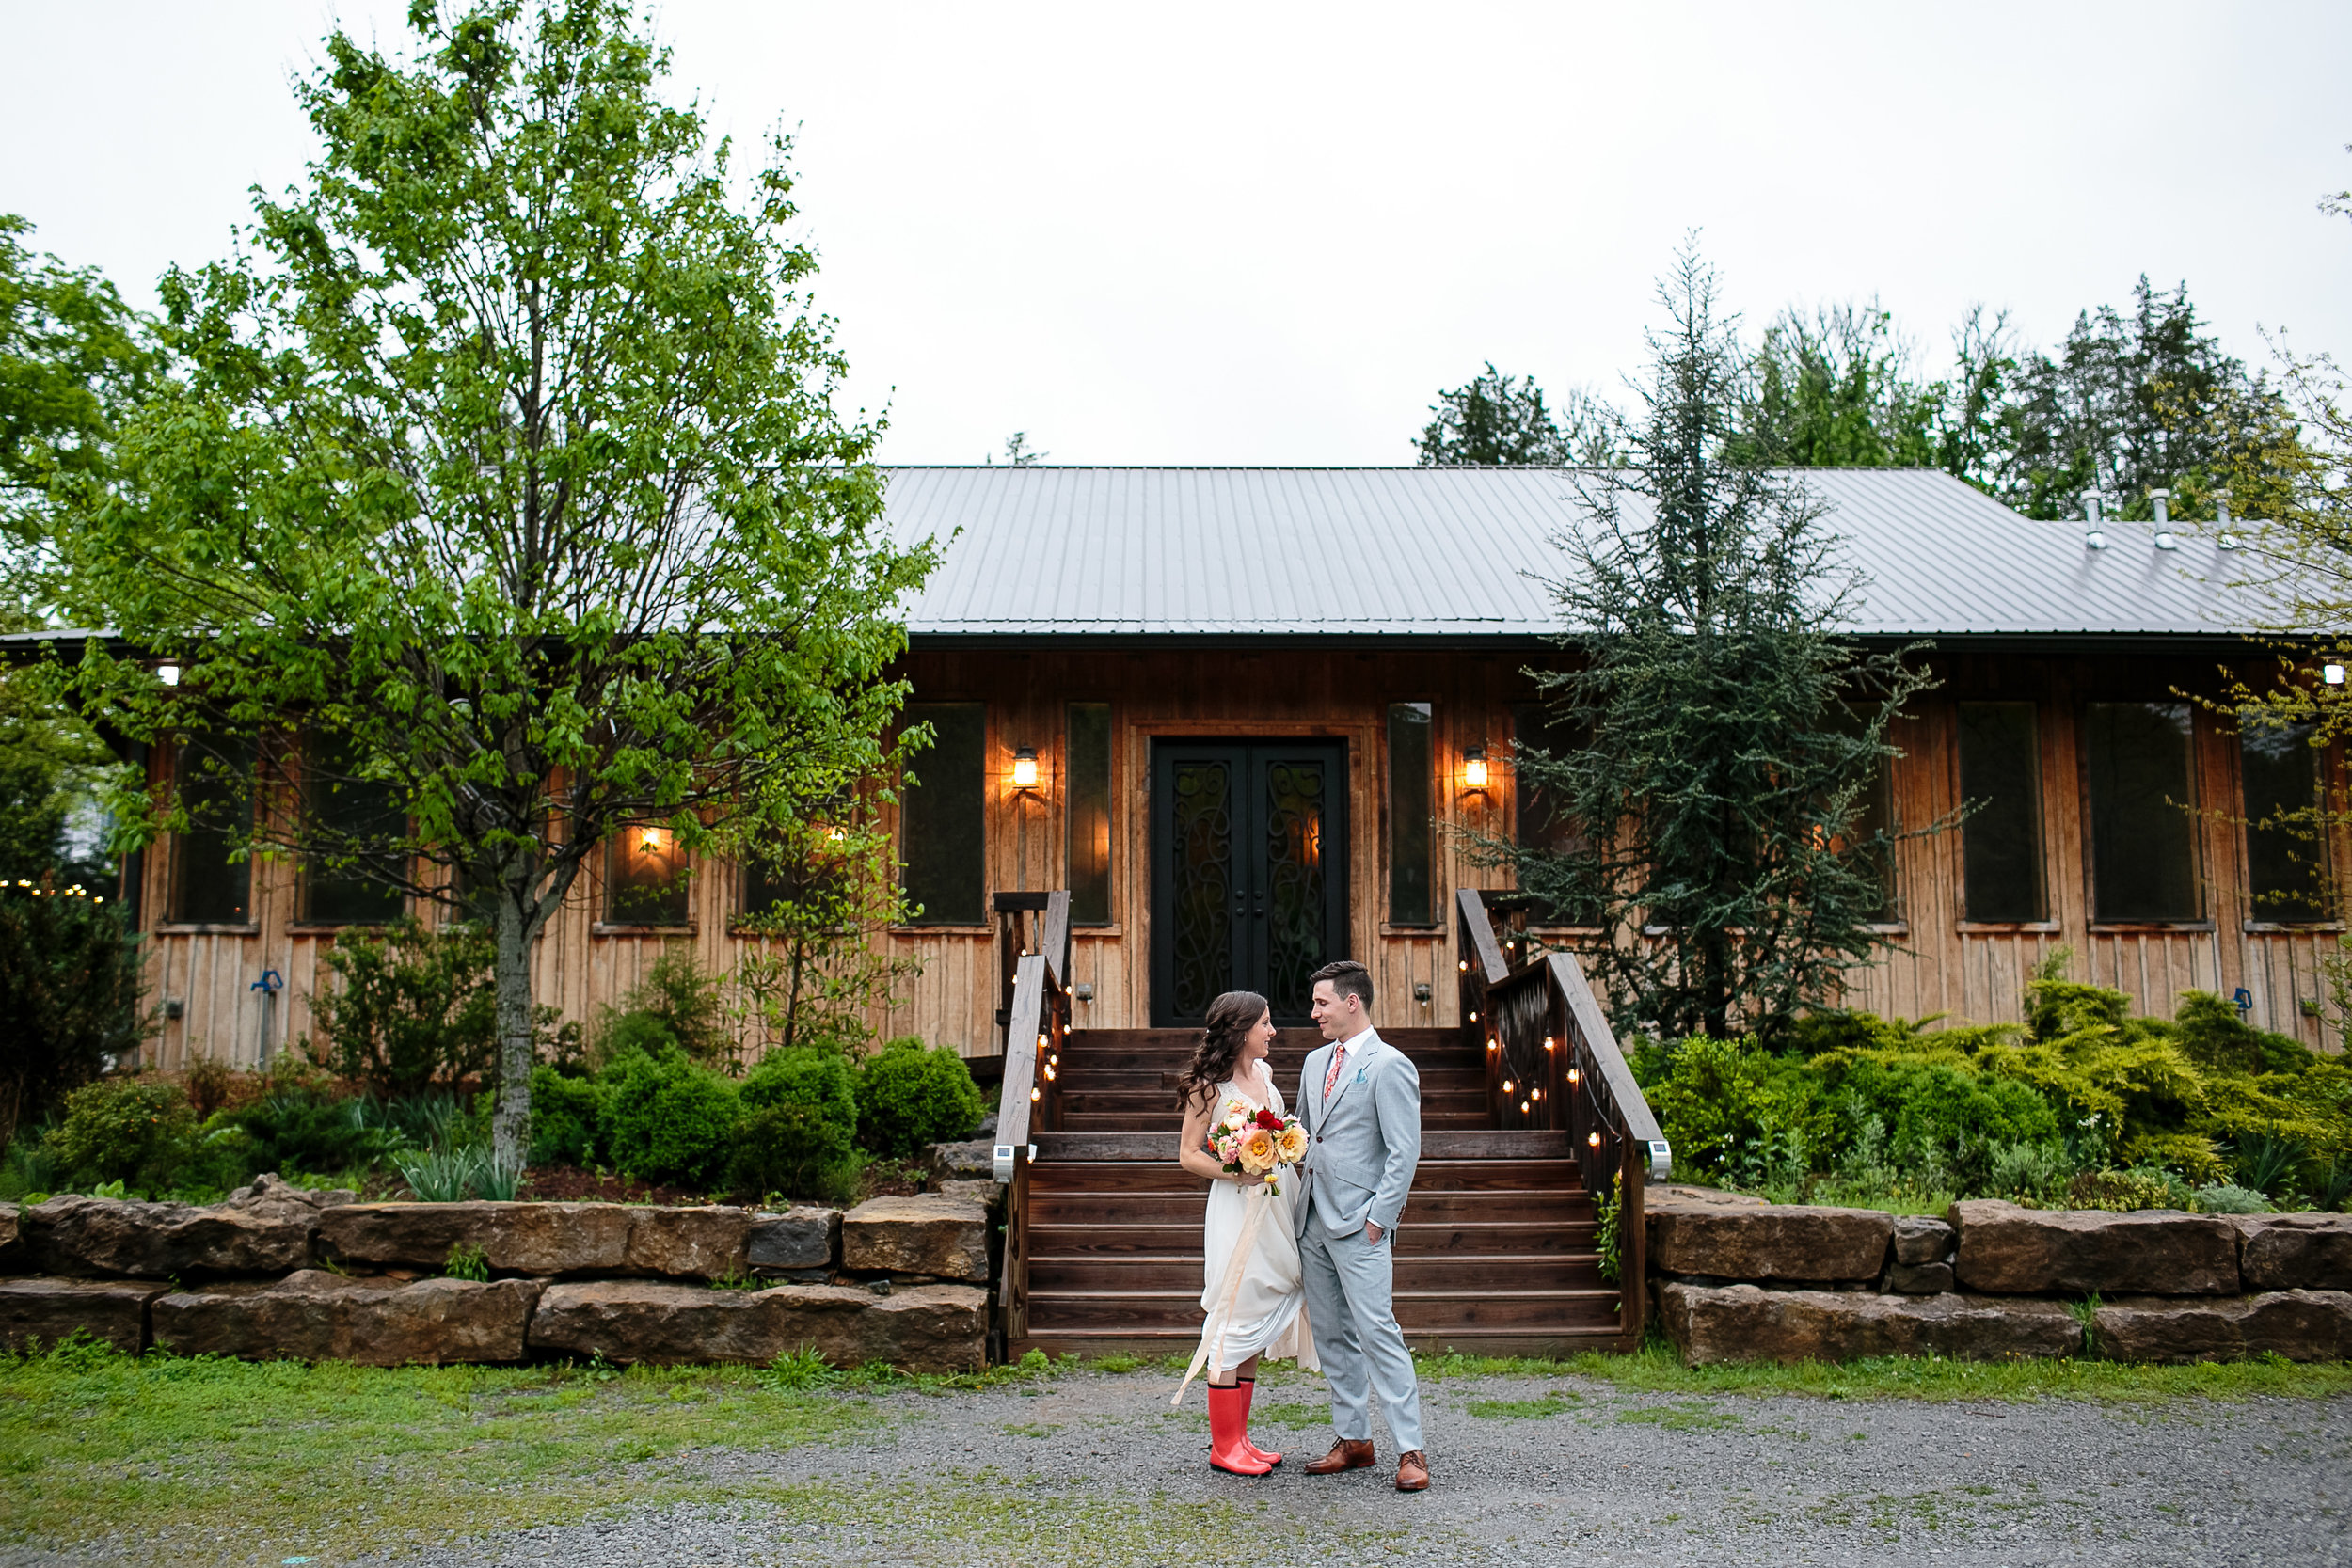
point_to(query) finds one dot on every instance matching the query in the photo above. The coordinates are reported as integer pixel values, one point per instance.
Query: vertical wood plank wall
(1937, 963)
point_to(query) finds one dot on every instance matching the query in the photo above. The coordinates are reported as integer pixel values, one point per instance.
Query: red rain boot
(1228, 1450)
(1248, 1392)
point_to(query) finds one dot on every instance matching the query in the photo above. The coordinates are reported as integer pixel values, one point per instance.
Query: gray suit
(1365, 1140)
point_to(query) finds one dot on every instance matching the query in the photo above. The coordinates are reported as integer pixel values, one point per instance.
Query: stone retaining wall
(278, 1271)
(1738, 1279)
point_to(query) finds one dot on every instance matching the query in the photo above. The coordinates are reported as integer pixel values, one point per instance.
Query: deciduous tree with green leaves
(506, 459)
(1502, 420)
(1735, 735)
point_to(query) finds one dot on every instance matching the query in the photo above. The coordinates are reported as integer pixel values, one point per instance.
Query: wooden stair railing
(1037, 1021)
(1030, 923)
(1553, 1064)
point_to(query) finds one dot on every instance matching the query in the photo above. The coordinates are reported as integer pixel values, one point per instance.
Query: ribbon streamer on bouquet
(1261, 1200)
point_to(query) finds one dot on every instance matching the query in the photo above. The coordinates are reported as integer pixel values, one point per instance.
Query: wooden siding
(1936, 965)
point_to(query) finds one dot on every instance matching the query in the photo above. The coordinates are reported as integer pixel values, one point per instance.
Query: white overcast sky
(1269, 232)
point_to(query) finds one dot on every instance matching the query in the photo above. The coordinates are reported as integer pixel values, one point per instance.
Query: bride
(1254, 1299)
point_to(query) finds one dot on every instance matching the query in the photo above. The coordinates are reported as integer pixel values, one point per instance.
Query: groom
(1359, 1101)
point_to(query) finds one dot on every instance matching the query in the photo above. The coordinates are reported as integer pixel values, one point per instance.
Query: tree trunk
(510, 1134)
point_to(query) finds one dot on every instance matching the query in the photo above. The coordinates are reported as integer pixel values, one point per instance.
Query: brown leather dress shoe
(1346, 1454)
(1412, 1471)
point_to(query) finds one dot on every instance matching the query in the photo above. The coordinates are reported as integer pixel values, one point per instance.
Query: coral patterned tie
(1339, 1055)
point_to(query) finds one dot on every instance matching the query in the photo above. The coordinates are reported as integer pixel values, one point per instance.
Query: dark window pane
(2286, 856)
(1087, 770)
(2000, 839)
(1541, 825)
(215, 784)
(646, 879)
(352, 812)
(944, 818)
(1540, 822)
(2143, 844)
(809, 887)
(1412, 900)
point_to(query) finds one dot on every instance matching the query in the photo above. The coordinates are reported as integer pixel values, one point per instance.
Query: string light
(1538, 1094)
(1550, 1044)
(1463, 966)
(1522, 1107)
(1040, 1094)
(1506, 1086)
(1575, 1076)
(1594, 1139)
(1473, 1018)
(1049, 1073)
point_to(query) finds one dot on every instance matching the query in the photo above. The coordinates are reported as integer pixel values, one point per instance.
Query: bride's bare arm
(1195, 1157)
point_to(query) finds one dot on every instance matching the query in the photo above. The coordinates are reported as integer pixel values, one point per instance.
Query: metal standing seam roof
(1047, 552)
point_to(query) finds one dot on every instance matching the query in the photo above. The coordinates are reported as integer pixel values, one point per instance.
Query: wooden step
(1075, 1097)
(1430, 1208)
(1156, 1147)
(1466, 1237)
(1096, 1078)
(1430, 1175)
(1559, 1270)
(1094, 1121)
(1556, 1344)
(1421, 1312)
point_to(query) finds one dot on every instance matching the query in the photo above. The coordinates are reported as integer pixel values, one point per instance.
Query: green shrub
(2223, 1198)
(1730, 1103)
(307, 1129)
(799, 1127)
(675, 1006)
(909, 1098)
(566, 1118)
(2215, 1034)
(135, 1130)
(2123, 1191)
(70, 999)
(415, 1006)
(669, 1120)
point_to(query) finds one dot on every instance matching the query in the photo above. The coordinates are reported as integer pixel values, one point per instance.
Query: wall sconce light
(1024, 767)
(167, 673)
(649, 841)
(1474, 768)
(2332, 673)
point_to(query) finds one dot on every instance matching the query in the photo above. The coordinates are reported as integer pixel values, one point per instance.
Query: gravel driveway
(1093, 1468)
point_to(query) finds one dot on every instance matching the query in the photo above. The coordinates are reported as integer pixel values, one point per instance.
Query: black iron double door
(1249, 872)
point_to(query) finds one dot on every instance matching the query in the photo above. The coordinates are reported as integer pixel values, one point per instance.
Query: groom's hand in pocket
(1372, 1234)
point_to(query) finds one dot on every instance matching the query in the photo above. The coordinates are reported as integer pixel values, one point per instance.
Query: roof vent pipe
(2094, 537)
(2165, 541)
(2221, 519)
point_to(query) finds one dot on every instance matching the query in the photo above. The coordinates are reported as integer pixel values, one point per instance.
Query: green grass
(1679, 1417)
(283, 1458)
(1658, 1369)
(1524, 1410)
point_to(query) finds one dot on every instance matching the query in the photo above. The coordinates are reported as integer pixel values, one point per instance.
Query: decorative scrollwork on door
(1295, 901)
(1203, 935)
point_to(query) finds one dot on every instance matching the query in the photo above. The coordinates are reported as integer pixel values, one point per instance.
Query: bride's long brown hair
(1230, 1018)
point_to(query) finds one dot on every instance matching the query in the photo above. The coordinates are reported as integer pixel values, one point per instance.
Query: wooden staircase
(1495, 1252)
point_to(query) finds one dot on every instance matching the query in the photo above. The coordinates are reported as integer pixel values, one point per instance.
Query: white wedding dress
(1268, 1313)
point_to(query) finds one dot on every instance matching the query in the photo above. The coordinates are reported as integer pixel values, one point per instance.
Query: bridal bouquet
(1251, 1142)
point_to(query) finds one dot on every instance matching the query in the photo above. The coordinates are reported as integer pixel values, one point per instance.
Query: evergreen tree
(2132, 401)
(1502, 420)
(1733, 735)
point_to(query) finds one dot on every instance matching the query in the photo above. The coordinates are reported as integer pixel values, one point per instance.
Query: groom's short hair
(1348, 978)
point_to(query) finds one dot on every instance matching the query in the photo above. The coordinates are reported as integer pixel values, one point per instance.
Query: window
(1086, 771)
(2000, 838)
(942, 817)
(1875, 818)
(1541, 823)
(808, 881)
(645, 881)
(1412, 819)
(350, 811)
(2144, 839)
(215, 784)
(2287, 854)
